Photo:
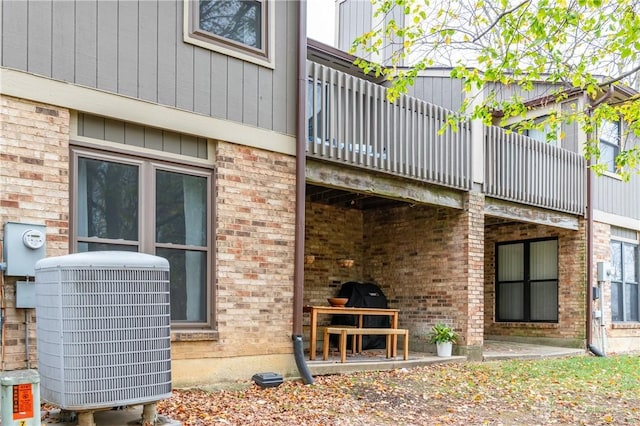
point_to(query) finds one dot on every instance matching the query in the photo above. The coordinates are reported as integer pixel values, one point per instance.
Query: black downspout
(298, 272)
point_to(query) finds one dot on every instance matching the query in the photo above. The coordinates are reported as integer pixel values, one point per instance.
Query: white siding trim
(616, 220)
(28, 86)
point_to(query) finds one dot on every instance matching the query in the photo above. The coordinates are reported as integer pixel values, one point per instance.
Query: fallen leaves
(587, 391)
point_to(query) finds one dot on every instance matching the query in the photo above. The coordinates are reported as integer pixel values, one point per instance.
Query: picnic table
(314, 311)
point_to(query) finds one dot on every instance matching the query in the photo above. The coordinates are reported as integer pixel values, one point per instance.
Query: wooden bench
(343, 332)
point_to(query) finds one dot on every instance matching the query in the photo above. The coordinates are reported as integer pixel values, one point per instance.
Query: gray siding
(106, 129)
(135, 48)
(355, 17)
(571, 131)
(614, 196)
(443, 91)
(503, 92)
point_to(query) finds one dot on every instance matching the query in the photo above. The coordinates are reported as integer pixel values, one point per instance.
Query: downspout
(298, 271)
(594, 350)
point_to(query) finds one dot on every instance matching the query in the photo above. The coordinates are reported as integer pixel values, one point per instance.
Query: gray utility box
(20, 398)
(24, 244)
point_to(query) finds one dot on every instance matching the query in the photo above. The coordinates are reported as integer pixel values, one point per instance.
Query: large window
(625, 298)
(527, 281)
(609, 134)
(151, 207)
(234, 27)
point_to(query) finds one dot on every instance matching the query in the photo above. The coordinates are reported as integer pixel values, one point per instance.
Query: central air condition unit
(103, 329)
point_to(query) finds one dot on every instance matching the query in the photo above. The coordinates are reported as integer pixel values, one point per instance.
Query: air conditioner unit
(103, 329)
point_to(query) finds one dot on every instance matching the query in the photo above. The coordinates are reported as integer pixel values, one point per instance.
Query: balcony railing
(523, 170)
(350, 121)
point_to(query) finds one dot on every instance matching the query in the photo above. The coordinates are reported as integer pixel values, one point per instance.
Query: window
(239, 28)
(609, 135)
(625, 298)
(317, 112)
(151, 207)
(527, 281)
(546, 134)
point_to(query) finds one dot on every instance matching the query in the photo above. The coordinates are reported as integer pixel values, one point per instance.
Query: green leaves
(569, 44)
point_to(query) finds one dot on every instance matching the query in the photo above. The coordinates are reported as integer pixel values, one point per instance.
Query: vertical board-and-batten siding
(117, 131)
(354, 19)
(446, 92)
(136, 49)
(614, 196)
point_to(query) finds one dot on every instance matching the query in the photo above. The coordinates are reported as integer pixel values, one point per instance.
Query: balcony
(351, 122)
(521, 169)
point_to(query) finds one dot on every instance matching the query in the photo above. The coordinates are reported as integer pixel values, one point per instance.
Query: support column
(473, 328)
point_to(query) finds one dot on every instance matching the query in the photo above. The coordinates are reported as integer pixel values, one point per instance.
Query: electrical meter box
(24, 244)
(605, 272)
(20, 398)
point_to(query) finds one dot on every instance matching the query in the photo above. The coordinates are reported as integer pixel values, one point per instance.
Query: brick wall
(570, 328)
(621, 337)
(255, 232)
(331, 234)
(34, 188)
(419, 256)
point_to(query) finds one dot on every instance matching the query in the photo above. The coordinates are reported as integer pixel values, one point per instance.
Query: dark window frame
(527, 281)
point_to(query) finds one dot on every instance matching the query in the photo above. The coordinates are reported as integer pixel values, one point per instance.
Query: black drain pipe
(298, 272)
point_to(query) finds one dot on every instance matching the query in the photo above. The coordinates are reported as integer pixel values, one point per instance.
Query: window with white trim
(239, 28)
(609, 136)
(142, 205)
(527, 281)
(543, 133)
(625, 297)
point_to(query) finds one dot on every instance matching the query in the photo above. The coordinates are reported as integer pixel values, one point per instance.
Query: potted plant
(443, 336)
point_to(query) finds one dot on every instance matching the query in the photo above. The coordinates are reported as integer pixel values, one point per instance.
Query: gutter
(298, 271)
(589, 333)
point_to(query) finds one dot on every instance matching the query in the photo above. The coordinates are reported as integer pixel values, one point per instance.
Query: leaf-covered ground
(573, 391)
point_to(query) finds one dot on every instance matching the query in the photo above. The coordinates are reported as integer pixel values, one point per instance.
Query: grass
(581, 390)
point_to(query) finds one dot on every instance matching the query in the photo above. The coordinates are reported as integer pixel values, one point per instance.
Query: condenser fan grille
(103, 329)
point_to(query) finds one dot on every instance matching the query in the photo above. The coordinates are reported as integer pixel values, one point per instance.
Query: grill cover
(363, 295)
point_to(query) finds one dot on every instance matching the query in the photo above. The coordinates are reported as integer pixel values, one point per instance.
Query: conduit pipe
(594, 350)
(298, 272)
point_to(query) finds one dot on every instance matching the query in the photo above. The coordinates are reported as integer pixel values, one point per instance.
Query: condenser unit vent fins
(103, 329)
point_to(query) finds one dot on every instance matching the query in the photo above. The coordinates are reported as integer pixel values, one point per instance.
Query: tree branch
(498, 18)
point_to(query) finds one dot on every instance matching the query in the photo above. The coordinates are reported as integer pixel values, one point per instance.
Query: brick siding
(571, 281)
(255, 235)
(34, 182)
(421, 256)
(621, 337)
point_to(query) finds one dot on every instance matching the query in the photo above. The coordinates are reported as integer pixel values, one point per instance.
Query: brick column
(473, 313)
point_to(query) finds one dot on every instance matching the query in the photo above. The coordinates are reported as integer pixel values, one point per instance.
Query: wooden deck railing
(350, 121)
(523, 170)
